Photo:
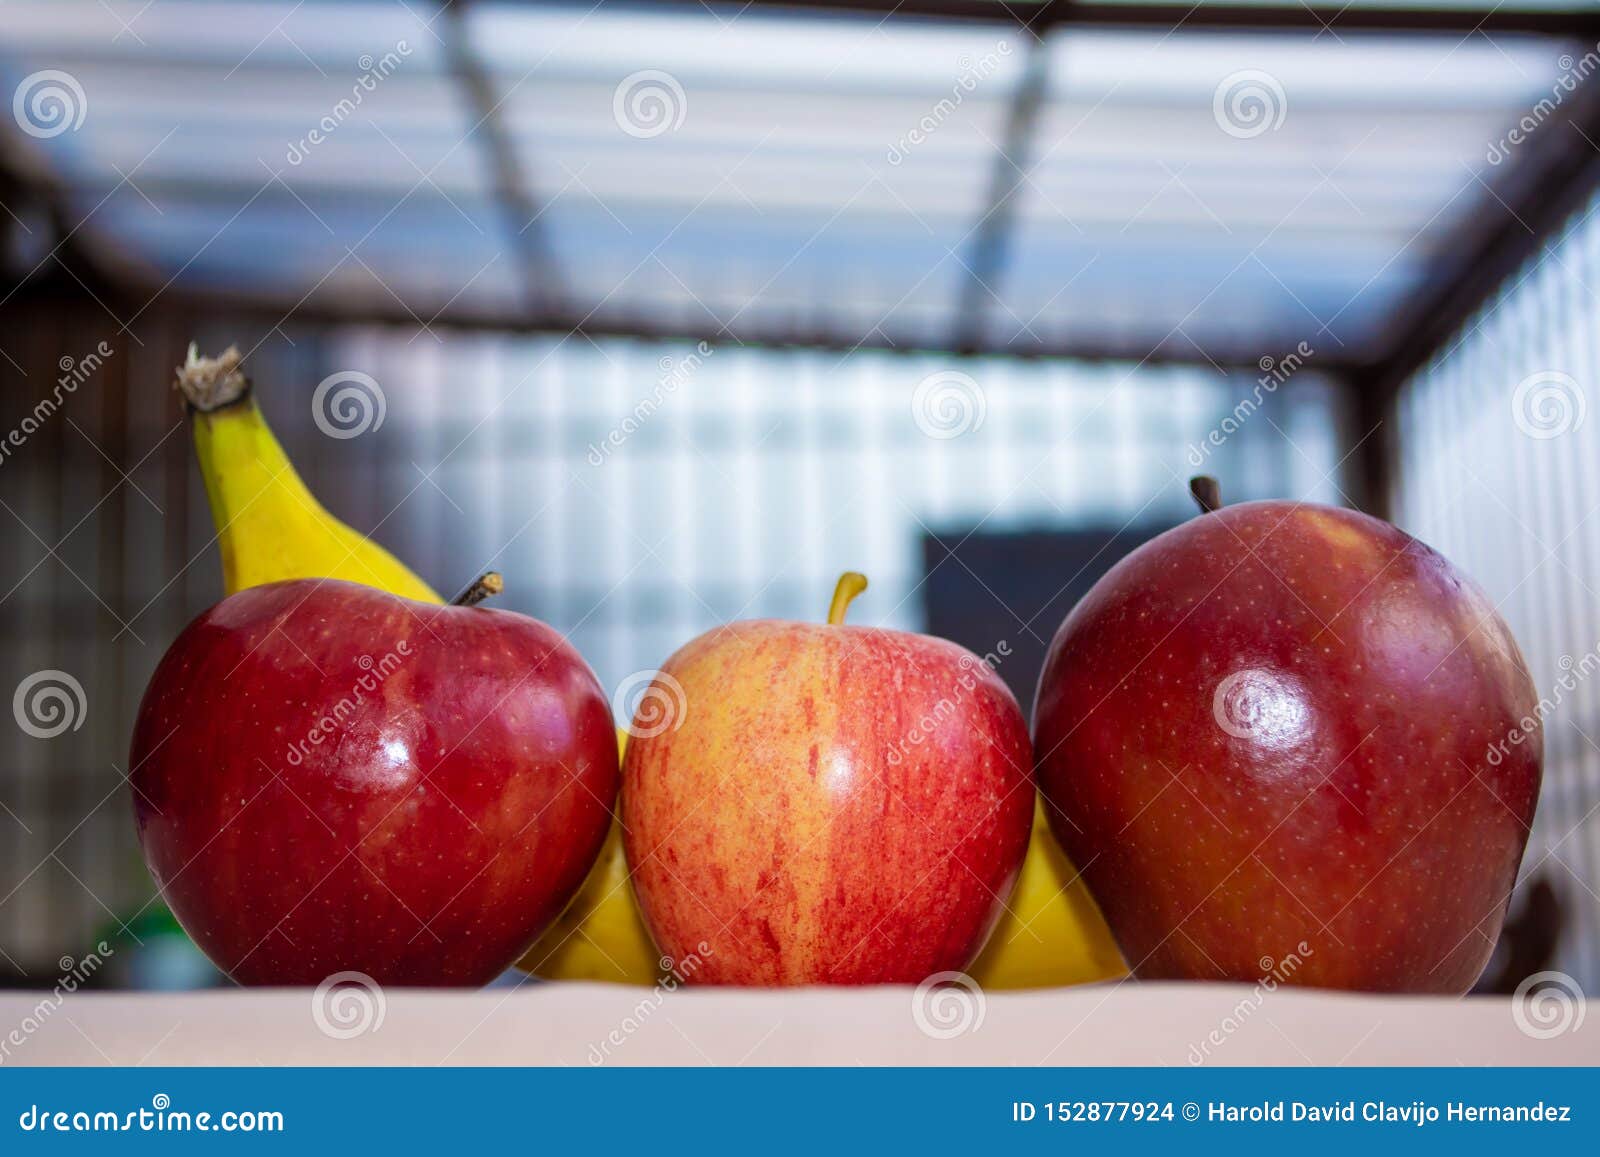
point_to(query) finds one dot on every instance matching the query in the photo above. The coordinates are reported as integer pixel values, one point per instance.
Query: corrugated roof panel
(781, 169)
(276, 150)
(1239, 192)
(792, 173)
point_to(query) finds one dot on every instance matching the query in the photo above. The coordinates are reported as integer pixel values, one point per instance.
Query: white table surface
(569, 1024)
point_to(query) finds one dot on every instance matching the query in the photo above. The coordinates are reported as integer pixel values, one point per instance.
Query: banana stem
(211, 384)
(487, 584)
(851, 583)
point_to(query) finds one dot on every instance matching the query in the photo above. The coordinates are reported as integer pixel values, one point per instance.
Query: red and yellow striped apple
(825, 804)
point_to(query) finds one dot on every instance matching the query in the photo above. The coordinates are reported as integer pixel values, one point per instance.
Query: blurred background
(673, 311)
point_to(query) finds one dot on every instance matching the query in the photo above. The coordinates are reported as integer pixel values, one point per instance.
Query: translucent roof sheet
(1215, 189)
(758, 168)
(761, 173)
(275, 149)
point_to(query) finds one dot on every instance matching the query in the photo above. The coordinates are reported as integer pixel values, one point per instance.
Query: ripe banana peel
(269, 525)
(601, 935)
(1053, 933)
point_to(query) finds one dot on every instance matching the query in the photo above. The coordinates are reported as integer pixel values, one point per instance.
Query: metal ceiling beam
(72, 253)
(992, 236)
(1312, 16)
(348, 307)
(513, 189)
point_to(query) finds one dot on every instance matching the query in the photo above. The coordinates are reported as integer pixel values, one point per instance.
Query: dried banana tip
(209, 384)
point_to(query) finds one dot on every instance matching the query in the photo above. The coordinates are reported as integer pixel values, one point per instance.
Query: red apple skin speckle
(1351, 806)
(836, 805)
(446, 813)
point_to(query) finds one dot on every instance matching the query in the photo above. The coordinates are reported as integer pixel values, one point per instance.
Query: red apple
(1290, 740)
(328, 777)
(816, 803)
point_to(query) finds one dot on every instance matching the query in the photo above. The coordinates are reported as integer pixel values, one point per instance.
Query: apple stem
(487, 584)
(1207, 492)
(851, 584)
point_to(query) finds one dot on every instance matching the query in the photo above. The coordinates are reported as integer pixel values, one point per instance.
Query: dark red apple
(816, 803)
(1286, 738)
(328, 777)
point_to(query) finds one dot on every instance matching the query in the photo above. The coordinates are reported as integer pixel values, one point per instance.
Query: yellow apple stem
(851, 584)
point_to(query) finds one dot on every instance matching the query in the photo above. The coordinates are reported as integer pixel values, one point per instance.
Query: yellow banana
(601, 935)
(269, 525)
(1053, 934)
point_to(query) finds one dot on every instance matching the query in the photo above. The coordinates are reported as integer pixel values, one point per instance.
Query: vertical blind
(1500, 470)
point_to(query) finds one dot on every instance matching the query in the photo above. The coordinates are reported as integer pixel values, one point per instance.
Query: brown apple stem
(489, 583)
(211, 384)
(1207, 492)
(851, 583)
